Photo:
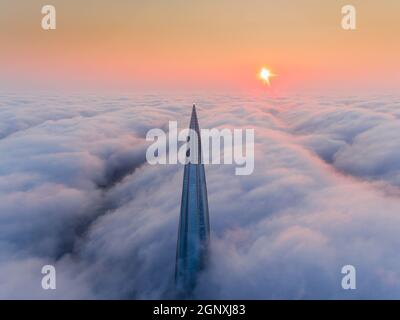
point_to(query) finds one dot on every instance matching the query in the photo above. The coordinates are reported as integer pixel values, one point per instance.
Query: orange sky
(211, 45)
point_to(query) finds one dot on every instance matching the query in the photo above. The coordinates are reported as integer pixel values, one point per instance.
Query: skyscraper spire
(194, 225)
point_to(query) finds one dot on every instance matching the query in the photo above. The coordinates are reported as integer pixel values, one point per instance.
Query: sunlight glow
(265, 75)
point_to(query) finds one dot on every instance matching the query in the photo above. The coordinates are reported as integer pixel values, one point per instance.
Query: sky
(140, 46)
(77, 192)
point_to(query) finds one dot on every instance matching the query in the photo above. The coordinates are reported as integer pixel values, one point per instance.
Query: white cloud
(75, 192)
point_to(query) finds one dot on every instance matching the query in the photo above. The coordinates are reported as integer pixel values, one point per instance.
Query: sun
(265, 75)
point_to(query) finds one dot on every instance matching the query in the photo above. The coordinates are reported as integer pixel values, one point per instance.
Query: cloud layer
(76, 192)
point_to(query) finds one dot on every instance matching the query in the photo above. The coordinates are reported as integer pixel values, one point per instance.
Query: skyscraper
(194, 225)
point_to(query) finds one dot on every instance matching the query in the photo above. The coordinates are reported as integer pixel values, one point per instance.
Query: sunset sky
(79, 104)
(203, 45)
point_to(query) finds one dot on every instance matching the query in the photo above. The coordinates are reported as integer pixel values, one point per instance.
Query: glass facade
(194, 225)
